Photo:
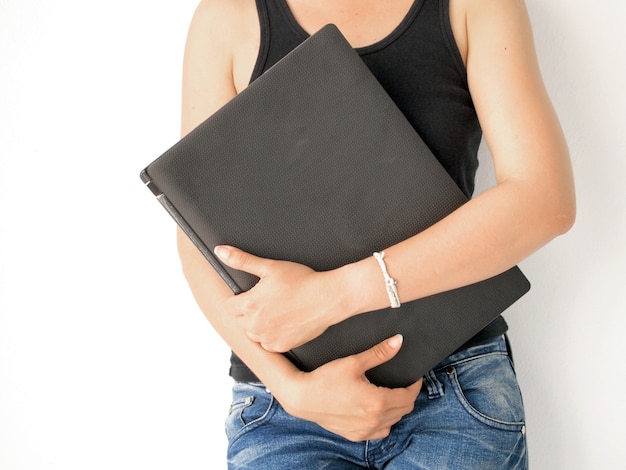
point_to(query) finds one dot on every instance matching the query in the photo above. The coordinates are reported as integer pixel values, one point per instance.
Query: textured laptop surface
(314, 163)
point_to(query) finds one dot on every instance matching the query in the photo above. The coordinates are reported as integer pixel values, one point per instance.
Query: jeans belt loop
(433, 386)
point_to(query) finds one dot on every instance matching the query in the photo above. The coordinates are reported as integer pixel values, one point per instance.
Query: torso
(362, 22)
(408, 48)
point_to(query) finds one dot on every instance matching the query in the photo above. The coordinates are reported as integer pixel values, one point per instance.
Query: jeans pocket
(251, 405)
(488, 390)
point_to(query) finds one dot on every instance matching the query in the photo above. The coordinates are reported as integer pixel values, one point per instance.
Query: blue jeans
(469, 415)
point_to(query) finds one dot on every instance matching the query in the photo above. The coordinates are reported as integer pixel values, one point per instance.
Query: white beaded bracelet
(390, 283)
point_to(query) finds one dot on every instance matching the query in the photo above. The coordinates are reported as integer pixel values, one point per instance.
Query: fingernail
(222, 251)
(395, 342)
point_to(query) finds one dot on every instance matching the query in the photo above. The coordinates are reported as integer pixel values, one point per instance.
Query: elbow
(564, 221)
(551, 211)
(567, 213)
(563, 194)
(562, 217)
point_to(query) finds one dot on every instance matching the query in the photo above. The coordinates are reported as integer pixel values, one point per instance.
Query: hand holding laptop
(289, 306)
(324, 189)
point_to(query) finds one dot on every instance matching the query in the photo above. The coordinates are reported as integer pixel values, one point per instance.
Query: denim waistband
(434, 388)
(499, 344)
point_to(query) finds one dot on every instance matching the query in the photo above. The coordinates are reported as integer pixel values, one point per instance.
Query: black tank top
(421, 68)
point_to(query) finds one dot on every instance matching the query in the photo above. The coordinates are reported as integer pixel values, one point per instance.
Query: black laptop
(314, 163)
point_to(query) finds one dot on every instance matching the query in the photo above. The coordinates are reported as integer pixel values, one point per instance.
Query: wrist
(390, 283)
(287, 390)
(363, 287)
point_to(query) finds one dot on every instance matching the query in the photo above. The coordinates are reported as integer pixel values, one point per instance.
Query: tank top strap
(420, 67)
(278, 35)
(281, 32)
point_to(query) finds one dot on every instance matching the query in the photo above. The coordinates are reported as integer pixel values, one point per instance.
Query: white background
(106, 362)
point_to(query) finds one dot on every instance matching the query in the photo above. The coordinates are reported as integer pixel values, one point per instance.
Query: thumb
(380, 353)
(241, 260)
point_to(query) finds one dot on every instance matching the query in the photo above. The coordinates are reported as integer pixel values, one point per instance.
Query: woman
(454, 67)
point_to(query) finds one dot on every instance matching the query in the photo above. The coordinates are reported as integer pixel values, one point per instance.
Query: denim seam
(433, 386)
(444, 366)
(254, 423)
(488, 420)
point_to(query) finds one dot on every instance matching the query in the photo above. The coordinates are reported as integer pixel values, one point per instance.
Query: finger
(405, 397)
(415, 387)
(408, 394)
(380, 353)
(268, 348)
(253, 337)
(402, 400)
(241, 260)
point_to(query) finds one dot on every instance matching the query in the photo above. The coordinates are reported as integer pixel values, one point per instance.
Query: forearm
(210, 292)
(483, 238)
(534, 199)
(292, 304)
(337, 396)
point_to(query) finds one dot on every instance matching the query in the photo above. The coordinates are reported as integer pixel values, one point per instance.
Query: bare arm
(532, 202)
(219, 35)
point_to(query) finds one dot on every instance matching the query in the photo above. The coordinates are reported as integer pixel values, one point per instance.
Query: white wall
(105, 362)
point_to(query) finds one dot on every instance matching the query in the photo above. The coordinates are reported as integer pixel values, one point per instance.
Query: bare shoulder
(472, 19)
(458, 21)
(507, 7)
(501, 56)
(226, 18)
(225, 25)
(519, 122)
(222, 44)
(498, 20)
